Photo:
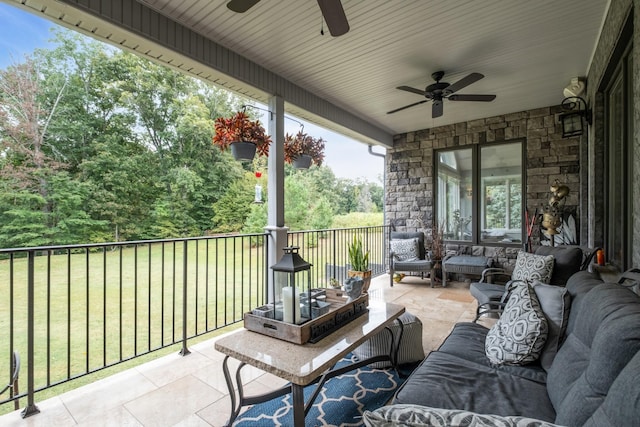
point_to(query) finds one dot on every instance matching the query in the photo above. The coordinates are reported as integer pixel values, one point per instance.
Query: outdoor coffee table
(305, 364)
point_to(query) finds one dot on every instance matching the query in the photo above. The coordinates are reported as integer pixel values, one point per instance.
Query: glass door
(618, 98)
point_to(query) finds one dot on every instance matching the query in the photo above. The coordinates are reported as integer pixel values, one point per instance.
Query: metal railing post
(31, 408)
(184, 350)
(334, 250)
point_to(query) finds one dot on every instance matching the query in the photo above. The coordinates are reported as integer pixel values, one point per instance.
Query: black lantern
(292, 287)
(572, 124)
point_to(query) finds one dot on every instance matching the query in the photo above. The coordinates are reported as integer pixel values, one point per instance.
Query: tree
(256, 221)
(232, 209)
(101, 145)
(28, 156)
(305, 207)
(69, 222)
(121, 194)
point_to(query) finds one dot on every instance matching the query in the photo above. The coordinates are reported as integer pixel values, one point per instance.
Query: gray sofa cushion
(467, 342)
(604, 339)
(621, 407)
(446, 381)
(468, 261)
(579, 286)
(486, 292)
(555, 302)
(568, 260)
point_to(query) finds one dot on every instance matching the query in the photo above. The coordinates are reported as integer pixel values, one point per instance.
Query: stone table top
(301, 364)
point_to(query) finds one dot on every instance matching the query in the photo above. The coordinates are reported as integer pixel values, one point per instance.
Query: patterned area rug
(341, 402)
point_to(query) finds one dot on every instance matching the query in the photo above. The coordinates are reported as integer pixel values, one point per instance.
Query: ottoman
(410, 348)
(465, 264)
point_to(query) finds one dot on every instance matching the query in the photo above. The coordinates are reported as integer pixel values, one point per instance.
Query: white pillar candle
(291, 301)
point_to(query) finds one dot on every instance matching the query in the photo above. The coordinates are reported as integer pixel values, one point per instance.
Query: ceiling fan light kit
(439, 91)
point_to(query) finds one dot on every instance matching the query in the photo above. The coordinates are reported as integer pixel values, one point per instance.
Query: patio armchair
(491, 293)
(407, 254)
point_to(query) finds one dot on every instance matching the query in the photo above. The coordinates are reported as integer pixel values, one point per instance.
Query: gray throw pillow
(424, 416)
(555, 302)
(519, 336)
(530, 267)
(405, 249)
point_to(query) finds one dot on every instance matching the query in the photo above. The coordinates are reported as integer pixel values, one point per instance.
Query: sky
(21, 32)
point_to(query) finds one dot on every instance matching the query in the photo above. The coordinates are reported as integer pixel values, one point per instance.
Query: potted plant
(243, 135)
(359, 262)
(301, 150)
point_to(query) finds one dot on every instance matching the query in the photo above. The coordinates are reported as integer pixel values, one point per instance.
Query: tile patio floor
(191, 391)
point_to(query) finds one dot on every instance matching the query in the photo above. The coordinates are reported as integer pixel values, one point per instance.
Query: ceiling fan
(332, 12)
(439, 91)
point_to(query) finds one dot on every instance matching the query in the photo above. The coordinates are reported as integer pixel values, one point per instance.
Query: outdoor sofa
(589, 377)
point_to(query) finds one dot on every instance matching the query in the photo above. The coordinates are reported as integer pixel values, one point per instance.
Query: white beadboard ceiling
(527, 50)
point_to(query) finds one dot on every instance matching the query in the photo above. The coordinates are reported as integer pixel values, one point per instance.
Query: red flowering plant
(301, 143)
(240, 128)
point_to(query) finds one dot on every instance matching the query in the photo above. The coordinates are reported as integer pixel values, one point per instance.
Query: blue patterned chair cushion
(530, 267)
(423, 416)
(405, 249)
(520, 334)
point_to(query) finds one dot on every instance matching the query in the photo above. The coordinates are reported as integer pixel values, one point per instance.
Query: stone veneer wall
(410, 164)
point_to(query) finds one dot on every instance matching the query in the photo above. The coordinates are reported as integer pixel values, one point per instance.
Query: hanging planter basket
(243, 151)
(303, 161)
(302, 150)
(244, 136)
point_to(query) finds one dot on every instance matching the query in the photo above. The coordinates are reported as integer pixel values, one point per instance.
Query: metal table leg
(300, 408)
(239, 401)
(297, 397)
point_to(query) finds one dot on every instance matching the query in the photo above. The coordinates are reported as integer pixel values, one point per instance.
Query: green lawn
(94, 309)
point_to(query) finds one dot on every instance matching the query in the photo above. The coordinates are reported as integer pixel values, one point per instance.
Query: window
(455, 193)
(479, 193)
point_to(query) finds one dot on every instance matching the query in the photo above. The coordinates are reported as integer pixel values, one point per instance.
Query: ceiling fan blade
(412, 90)
(464, 82)
(241, 6)
(334, 16)
(481, 98)
(436, 110)
(407, 106)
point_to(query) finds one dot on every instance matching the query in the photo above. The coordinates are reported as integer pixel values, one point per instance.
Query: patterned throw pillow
(520, 334)
(405, 249)
(530, 267)
(423, 416)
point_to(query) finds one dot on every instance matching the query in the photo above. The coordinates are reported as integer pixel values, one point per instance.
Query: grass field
(97, 308)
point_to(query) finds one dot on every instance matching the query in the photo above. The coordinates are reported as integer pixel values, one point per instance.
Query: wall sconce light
(572, 124)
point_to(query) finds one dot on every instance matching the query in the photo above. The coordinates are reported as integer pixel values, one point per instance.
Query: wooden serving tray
(340, 313)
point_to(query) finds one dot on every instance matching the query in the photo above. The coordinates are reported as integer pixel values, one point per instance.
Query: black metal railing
(73, 310)
(328, 250)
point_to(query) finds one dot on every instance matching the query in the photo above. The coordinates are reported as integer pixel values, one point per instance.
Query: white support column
(275, 198)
